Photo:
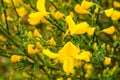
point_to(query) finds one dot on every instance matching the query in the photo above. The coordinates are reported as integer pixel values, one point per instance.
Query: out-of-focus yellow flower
(95, 46)
(90, 31)
(36, 33)
(49, 28)
(24, 74)
(8, 18)
(73, 28)
(32, 50)
(108, 12)
(86, 5)
(29, 33)
(7, 1)
(69, 78)
(38, 45)
(116, 4)
(52, 42)
(89, 70)
(80, 9)
(96, 10)
(59, 78)
(21, 11)
(68, 55)
(109, 30)
(107, 60)
(71, 14)
(87, 75)
(15, 58)
(4, 47)
(35, 18)
(115, 15)
(58, 15)
(88, 67)
(2, 38)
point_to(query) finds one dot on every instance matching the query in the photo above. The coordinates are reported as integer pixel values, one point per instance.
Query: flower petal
(50, 54)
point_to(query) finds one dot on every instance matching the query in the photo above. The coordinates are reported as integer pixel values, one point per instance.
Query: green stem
(54, 5)
(98, 12)
(14, 8)
(55, 24)
(5, 14)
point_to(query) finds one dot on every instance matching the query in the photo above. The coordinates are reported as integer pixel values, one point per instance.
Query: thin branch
(5, 15)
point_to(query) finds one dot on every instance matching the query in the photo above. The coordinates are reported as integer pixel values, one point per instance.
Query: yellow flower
(90, 31)
(68, 55)
(96, 10)
(108, 12)
(21, 11)
(52, 42)
(58, 15)
(73, 28)
(38, 45)
(109, 30)
(36, 33)
(31, 49)
(115, 15)
(29, 34)
(35, 18)
(107, 60)
(15, 58)
(80, 9)
(86, 5)
(116, 4)
(88, 67)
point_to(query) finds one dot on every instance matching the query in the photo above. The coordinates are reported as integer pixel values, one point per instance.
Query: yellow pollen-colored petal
(109, 30)
(108, 12)
(52, 42)
(116, 4)
(31, 49)
(15, 58)
(41, 6)
(50, 54)
(86, 5)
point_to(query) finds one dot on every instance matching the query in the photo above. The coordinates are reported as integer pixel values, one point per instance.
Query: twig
(5, 15)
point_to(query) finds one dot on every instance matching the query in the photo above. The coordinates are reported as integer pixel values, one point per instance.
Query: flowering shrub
(60, 39)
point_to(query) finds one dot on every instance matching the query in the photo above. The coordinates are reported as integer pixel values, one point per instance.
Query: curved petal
(50, 54)
(41, 6)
